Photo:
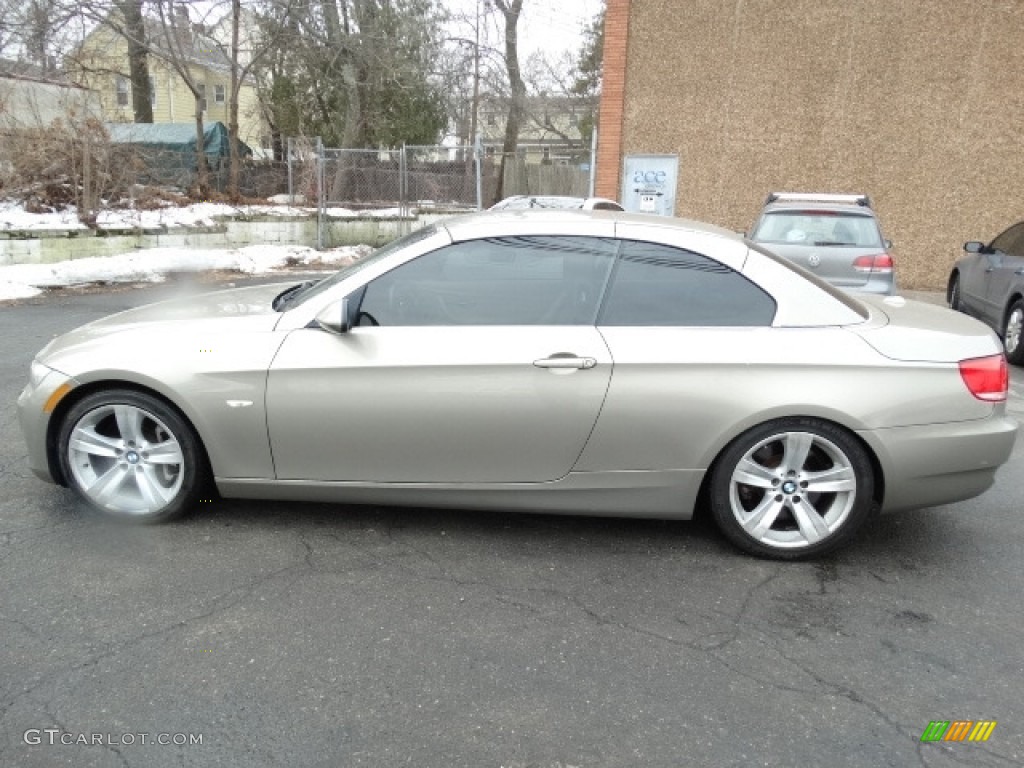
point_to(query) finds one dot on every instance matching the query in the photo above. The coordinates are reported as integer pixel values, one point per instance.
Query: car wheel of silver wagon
(792, 488)
(1012, 340)
(131, 456)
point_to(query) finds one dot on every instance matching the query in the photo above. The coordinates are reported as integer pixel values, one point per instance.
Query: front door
(476, 363)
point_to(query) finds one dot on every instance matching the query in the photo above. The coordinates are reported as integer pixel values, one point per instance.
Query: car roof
(472, 225)
(809, 205)
(521, 202)
(855, 204)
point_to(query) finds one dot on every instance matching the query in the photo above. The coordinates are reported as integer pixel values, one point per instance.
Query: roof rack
(817, 197)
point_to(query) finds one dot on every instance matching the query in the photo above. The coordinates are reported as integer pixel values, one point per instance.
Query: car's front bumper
(36, 404)
(934, 464)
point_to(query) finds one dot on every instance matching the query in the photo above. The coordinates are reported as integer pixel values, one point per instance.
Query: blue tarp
(176, 138)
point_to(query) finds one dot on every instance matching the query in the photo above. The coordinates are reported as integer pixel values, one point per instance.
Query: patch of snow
(13, 216)
(287, 199)
(9, 290)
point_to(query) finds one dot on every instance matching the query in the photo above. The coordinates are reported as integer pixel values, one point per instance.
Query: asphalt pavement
(284, 634)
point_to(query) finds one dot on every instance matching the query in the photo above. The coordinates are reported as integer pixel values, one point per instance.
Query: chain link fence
(81, 166)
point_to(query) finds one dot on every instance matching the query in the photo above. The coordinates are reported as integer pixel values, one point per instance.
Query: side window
(657, 285)
(495, 281)
(1011, 241)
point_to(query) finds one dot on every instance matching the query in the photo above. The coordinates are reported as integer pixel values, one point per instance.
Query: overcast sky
(552, 26)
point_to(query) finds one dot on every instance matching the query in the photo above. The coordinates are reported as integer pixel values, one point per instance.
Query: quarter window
(495, 281)
(657, 285)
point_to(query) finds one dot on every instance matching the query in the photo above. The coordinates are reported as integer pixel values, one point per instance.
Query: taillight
(987, 377)
(879, 262)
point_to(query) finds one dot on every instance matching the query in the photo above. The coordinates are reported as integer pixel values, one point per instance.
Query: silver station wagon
(579, 362)
(837, 237)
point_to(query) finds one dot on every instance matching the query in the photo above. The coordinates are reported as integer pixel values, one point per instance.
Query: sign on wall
(649, 184)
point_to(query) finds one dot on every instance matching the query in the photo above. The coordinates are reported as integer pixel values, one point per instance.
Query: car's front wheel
(1012, 328)
(954, 294)
(130, 455)
(792, 488)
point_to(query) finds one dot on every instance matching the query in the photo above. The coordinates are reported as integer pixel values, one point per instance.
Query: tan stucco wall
(919, 103)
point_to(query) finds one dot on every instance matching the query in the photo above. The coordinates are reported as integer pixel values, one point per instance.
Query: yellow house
(101, 64)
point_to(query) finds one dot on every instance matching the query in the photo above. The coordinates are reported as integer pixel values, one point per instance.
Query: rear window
(819, 228)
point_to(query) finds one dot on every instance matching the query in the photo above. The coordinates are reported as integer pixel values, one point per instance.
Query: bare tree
(138, 59)
(247, 55)
(175, 45)
(510, 10)
(35, 31)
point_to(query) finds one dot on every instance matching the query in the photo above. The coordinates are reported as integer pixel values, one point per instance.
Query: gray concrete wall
(44, 247)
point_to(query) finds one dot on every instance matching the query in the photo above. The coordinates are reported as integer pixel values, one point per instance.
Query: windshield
(818, 228)
(297, 295)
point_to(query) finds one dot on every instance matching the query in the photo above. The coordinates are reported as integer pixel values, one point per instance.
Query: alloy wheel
(792, 490)
(125, 459)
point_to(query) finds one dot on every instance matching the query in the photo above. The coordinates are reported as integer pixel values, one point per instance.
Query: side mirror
(888, 245)
(334, 318)
(973, 246)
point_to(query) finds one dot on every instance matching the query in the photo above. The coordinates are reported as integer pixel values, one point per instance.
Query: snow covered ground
(13, 216)
(152, 265)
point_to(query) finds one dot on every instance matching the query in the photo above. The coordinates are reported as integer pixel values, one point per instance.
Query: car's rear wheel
(131, 456)
(954, 293)
(1012, 329)
(792, 488)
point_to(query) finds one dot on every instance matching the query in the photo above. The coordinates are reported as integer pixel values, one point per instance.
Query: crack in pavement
(243, 592)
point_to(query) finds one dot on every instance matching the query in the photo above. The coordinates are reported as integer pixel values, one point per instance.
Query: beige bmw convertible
(578, 362)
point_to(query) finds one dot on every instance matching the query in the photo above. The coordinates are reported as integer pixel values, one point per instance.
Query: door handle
(566, 362)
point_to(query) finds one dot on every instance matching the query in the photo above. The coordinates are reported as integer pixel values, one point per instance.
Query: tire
(792, 488)
(1013, 339)
(954, 294)
(131, 456)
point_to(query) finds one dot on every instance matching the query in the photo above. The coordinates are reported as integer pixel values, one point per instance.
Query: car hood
(903, 329)
(186, 320)
(235, 302)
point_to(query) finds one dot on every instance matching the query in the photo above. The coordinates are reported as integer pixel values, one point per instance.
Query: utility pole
(473, 117)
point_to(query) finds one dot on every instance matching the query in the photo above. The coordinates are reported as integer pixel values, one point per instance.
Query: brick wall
(613, 86)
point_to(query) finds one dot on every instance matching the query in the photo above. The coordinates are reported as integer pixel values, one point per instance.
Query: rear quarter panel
(679, 395)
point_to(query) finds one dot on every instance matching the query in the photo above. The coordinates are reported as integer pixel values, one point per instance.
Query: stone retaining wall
(47, 246)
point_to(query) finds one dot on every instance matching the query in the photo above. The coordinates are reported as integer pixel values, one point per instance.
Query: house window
(492, 119)
(218, 94)
(122, 92)
(202, 96)
(152, 91)
(574, 119)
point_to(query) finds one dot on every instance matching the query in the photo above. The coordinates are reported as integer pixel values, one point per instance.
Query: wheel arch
(79, 393)
(703, 495)
(1016, 295)
(954, 276)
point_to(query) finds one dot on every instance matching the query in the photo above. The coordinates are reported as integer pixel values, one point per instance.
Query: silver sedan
(589, 363)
